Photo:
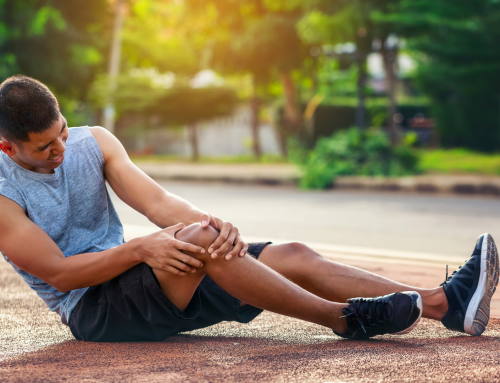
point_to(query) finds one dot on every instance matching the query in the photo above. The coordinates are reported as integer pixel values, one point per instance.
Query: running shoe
(396, 313)
(470, 288)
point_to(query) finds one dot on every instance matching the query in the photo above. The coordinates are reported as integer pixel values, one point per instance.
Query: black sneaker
(396, 313)
(470, 288)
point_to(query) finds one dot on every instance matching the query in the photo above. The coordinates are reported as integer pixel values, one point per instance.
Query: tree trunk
(292, 119)
(193, 140)
(361, 84)
(389, 57)
(255, 121)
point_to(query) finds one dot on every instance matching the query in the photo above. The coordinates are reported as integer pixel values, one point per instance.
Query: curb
(263, 174)
(466, 184)
(286, 174)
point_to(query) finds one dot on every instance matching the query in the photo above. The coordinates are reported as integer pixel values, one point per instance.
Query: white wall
(227, 136)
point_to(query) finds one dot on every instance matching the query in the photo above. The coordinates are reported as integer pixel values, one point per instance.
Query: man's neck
(29, 167)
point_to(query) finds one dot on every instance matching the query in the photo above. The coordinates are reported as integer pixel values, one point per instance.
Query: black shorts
(132, 307)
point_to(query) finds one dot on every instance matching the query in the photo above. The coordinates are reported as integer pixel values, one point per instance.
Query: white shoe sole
(478, 311)
(420, 307)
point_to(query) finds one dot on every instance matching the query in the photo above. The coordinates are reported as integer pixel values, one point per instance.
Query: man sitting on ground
(61, 233)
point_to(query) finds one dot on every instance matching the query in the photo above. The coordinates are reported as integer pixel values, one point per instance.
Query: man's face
(45, 151)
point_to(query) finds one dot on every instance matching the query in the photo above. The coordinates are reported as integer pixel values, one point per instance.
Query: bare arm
(138, 190)
(41, 257)
(162, 208)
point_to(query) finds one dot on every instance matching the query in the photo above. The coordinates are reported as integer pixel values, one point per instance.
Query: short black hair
(26, 106)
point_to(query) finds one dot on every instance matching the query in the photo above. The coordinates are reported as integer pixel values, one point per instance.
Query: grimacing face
(44, 152)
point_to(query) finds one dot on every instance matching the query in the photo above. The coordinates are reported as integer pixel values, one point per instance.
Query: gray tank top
(72, 206)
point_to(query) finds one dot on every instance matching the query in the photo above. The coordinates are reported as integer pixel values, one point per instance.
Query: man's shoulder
(78, 134)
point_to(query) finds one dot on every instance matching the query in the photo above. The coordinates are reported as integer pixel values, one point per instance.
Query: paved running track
(36, 347)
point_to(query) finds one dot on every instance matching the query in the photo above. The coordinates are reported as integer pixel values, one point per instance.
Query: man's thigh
(179, 289)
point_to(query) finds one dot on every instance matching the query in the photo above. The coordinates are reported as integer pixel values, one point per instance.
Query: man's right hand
(161, 250)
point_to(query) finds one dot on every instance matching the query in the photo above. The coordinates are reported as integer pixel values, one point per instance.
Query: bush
(353, 152)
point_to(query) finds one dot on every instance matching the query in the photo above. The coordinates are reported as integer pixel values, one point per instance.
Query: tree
(249, 36)
(58, 42)
(160, 57)
(327, 22)
(459, 64)
(340, 22)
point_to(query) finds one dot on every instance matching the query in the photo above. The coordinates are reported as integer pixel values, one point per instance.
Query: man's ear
(7, 148)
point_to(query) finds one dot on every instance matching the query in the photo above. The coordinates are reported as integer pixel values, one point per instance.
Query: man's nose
(60, 146)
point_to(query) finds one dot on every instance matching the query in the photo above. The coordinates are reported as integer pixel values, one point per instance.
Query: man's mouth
(57, 159)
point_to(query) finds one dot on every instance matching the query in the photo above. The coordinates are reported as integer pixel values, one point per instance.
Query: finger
(182, 266)
(187, 259)
(173, 270)
(189, 247)
(244, 249)
(228, 245)
(223, 236)
(235, 250)
(216, 223)
(205, 220)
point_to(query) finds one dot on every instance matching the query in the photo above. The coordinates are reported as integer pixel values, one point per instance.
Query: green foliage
(353, 152)
(460, 64)
(249, 36)
(154, 35)
(175, 105)
(58, 42)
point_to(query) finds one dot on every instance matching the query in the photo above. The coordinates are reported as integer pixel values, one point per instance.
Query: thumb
(205, 220)
(174, 229)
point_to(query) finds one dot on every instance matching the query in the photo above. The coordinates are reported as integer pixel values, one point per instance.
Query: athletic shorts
(132, 307)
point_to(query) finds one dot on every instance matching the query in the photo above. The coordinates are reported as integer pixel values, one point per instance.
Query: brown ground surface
(35, 347)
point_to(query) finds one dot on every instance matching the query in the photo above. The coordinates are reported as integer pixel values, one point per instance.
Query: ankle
(339, 324)
(435, 303)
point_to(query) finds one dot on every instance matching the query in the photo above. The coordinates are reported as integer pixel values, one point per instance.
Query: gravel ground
(36, 347)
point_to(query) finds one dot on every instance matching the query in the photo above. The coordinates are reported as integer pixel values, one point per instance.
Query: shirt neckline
(29, 173)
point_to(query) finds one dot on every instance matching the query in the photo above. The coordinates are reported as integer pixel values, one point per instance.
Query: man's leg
(250, 281)
(337, 282)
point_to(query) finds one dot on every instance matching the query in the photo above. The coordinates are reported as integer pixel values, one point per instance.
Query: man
(61, 233)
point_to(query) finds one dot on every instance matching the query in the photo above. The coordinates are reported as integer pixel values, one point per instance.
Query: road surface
(36, 347)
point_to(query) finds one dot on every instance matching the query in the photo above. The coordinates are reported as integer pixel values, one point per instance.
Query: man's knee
(300, 252)
(197, 235)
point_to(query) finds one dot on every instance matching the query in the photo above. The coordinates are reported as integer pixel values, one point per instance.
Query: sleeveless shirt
(72, 206)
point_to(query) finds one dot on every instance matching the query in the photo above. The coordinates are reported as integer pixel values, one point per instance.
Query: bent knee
(197, 235)
(300, 251)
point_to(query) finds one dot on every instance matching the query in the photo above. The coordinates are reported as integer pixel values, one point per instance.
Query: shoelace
(366, 309)
(448, 278)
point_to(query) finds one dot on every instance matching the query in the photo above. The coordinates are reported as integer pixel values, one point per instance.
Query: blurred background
(266, 80)
(313, 90)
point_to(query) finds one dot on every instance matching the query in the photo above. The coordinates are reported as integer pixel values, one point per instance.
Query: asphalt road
(447, 225)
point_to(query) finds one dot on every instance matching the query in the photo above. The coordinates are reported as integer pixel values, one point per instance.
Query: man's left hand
(229, 242)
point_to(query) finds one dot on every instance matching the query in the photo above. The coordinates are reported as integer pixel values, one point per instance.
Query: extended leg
(250, 281)
(337, 282)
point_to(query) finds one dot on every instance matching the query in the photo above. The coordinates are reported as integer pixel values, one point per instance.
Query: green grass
(459, 161)
(241, 159)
